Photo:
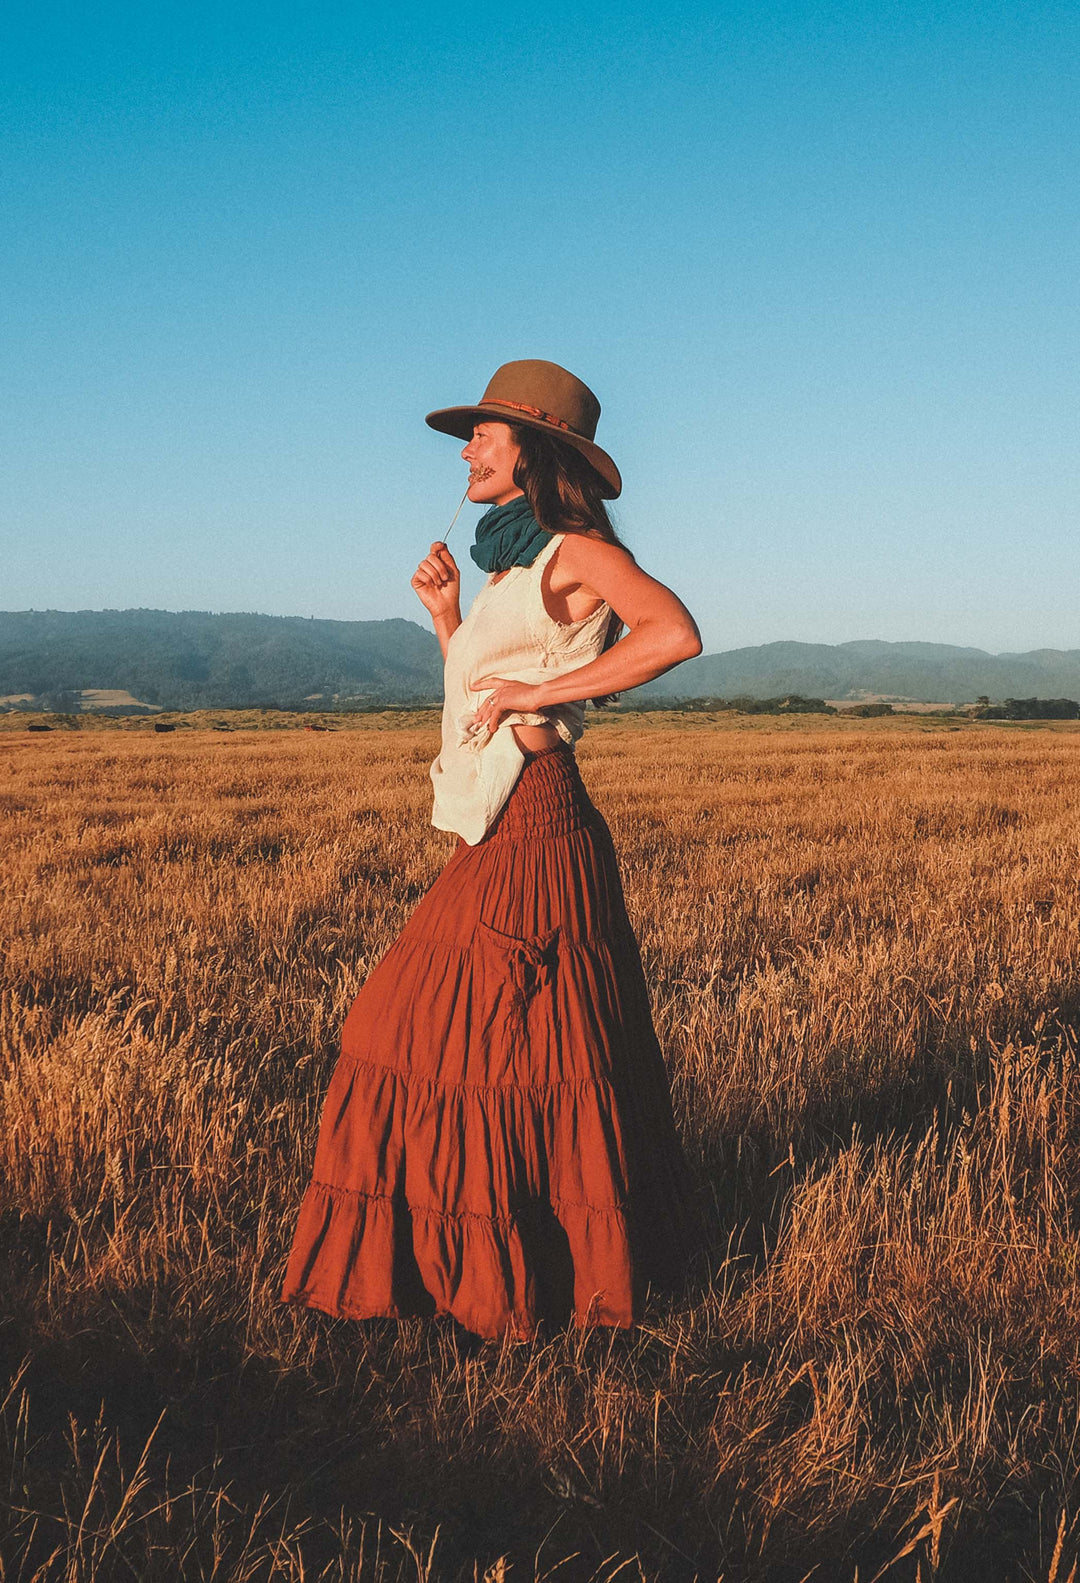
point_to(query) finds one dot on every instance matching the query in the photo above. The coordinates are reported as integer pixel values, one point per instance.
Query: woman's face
(491, 454)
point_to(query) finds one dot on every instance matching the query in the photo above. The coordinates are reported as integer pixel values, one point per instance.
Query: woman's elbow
(672, 641)
(688, 643)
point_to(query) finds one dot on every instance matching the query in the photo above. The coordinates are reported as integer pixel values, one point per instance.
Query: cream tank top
(507, 632)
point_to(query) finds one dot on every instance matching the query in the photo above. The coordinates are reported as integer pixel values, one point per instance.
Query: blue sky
(818, 262)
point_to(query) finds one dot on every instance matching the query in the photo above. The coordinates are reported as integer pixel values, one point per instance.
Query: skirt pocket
(516, 984)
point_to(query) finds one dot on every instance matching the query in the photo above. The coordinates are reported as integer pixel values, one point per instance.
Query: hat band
(534, 412)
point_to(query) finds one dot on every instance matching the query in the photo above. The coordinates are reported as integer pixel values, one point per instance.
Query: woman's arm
(437, 584)
(662, 633)
(445, 627)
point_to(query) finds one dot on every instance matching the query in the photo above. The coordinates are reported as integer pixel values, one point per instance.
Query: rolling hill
(935, 672)
(127, 659)
(193, 660)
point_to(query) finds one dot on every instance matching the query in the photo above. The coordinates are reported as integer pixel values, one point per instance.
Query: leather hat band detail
(533, 412)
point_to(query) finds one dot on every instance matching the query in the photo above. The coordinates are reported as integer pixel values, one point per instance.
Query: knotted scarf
(508, 535)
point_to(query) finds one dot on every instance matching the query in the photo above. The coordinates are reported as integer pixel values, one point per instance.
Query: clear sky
(819, 262)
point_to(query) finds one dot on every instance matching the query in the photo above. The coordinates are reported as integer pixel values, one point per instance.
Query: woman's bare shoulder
(582, 553)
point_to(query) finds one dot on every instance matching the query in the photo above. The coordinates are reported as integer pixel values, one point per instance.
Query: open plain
(863, 942)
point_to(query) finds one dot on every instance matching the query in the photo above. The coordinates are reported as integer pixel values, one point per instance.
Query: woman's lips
(480, 474)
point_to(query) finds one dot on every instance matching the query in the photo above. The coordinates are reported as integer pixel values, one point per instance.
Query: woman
(497, 1141)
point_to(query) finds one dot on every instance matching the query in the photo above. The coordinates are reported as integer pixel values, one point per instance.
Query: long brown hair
(564, 495)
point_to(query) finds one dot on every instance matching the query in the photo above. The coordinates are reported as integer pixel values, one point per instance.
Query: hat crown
(544, 390)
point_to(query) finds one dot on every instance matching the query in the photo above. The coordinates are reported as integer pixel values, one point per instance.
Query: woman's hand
(508, 698)
(437, 582)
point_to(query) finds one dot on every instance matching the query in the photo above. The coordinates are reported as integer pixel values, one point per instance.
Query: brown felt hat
(540, 396)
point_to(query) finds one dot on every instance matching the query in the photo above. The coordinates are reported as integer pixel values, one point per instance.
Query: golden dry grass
(864, 946)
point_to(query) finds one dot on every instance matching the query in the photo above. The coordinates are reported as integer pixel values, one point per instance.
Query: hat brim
(459, 422)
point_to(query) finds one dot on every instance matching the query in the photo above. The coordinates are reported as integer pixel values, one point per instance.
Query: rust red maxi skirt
(497, 1139)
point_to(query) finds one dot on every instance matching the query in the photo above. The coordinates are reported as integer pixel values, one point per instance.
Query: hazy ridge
(934, 672)
(193, 659)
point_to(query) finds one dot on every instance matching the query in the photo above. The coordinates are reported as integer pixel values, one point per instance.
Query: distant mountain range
(125, 659)
(192, 660)
(932, 672)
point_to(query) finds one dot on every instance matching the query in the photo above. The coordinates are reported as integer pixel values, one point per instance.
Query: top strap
(554, 540)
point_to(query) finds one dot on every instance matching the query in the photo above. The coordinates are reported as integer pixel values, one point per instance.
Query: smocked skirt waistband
(548, 799)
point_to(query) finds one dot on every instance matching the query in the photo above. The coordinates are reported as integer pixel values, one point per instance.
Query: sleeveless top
(507, 632)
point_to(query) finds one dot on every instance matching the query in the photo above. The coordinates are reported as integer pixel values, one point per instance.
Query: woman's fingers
(440, 553)
(437, 568)
(488, 710)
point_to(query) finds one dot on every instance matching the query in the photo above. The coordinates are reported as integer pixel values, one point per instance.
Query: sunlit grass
(863, 943)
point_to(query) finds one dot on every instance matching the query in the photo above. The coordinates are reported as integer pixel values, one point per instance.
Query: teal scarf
(508, 535)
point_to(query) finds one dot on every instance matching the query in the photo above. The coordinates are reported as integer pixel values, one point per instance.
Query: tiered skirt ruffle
(497, 1140)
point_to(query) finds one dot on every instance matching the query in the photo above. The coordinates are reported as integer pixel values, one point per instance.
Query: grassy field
(863, 941)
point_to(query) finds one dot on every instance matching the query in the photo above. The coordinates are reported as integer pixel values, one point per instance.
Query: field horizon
(932, 717)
